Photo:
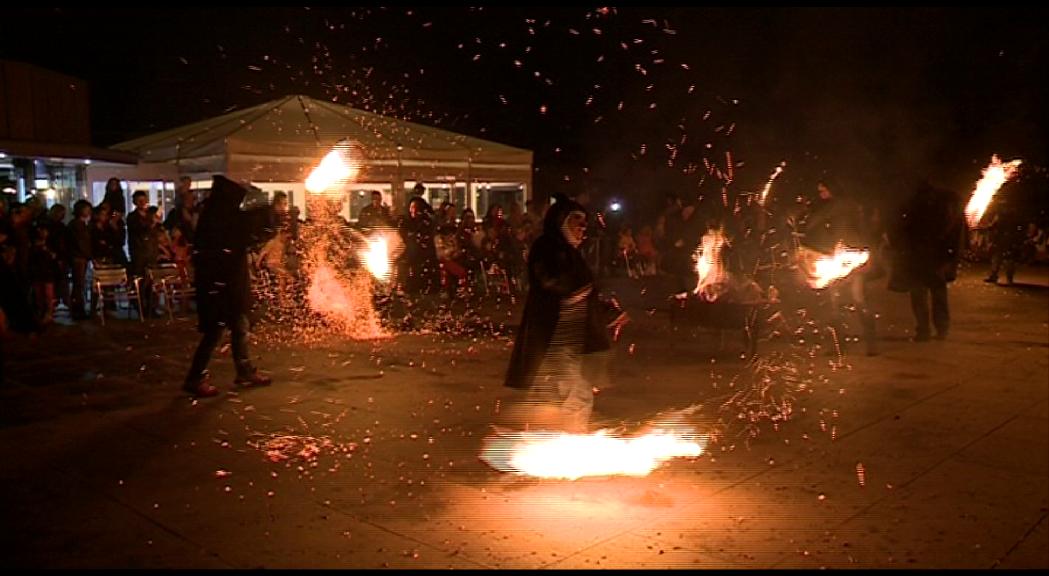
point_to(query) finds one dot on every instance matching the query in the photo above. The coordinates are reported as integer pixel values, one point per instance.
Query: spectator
(469, 247)
(141, 227)
(183, 216)
(58, 243)
(43, 267)
(647, 254)
(421, 269)
(79, 255)
(376, 214)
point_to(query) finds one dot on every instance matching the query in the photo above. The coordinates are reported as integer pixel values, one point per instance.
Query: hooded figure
(563, 319)
(220, 257)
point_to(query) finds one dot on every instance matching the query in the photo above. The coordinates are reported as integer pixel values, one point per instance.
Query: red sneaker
(202, 389)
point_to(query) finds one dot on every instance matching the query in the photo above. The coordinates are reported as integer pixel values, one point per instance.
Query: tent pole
(470, 200)
(398, 186)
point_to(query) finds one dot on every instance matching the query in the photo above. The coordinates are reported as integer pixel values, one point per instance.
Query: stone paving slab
(106, 464)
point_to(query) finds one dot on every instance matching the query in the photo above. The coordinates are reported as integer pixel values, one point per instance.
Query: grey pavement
(930, 455)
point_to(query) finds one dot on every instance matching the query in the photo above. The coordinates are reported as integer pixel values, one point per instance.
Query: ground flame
(994, 175)
(822, 270)
(573, 456)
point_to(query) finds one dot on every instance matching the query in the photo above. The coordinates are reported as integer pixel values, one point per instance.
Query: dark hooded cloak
(220, 253)
(556, 270)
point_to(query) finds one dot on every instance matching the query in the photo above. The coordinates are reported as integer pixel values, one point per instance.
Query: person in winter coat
(928, 241)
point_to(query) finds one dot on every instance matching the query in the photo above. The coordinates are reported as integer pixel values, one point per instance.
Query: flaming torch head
(994, 175)
(710, 267)
(341, 164)
(376, 258)
(824, 269)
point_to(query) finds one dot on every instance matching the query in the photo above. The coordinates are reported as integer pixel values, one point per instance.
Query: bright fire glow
(338, 166)
(768, 185)
(994, 175)
(709, 264)
(376, 258)
(573, 456)
(822, 270)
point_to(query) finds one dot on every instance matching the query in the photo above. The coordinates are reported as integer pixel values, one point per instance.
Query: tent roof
(299, 127)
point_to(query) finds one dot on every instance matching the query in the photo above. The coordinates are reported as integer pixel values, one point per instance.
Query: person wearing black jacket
(141, 227)
(422, 272)
(220, 258)
(928, 242)
(79, 255)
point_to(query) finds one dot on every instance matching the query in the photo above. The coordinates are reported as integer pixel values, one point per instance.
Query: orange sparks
(345, 303)
(768, 185)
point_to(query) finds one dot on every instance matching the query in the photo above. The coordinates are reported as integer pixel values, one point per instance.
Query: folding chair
(113, 278)
(494, 273)
(173, 283)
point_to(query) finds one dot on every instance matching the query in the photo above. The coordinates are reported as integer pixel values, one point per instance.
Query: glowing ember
(710, 265)
(768, 185)
(344, 303)
(573, 456)
(822, 270)
(994, 175)
(339, 165)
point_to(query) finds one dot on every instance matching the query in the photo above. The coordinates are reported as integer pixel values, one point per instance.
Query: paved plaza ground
(930, 455)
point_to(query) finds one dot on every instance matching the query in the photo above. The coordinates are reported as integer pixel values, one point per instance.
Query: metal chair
(173, 283)
(495, 274)
(113, 279)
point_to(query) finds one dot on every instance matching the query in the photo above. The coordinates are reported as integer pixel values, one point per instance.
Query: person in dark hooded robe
(563, 319)
(220, 258)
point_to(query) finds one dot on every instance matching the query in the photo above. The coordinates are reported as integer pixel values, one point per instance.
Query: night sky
(629, 102)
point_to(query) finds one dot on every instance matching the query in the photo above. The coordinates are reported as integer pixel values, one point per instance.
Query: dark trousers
(941, 318)
(1007, 257)
(62, 283)
(76, 299)
(139, 268)
(854, 288)
(210, 339)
